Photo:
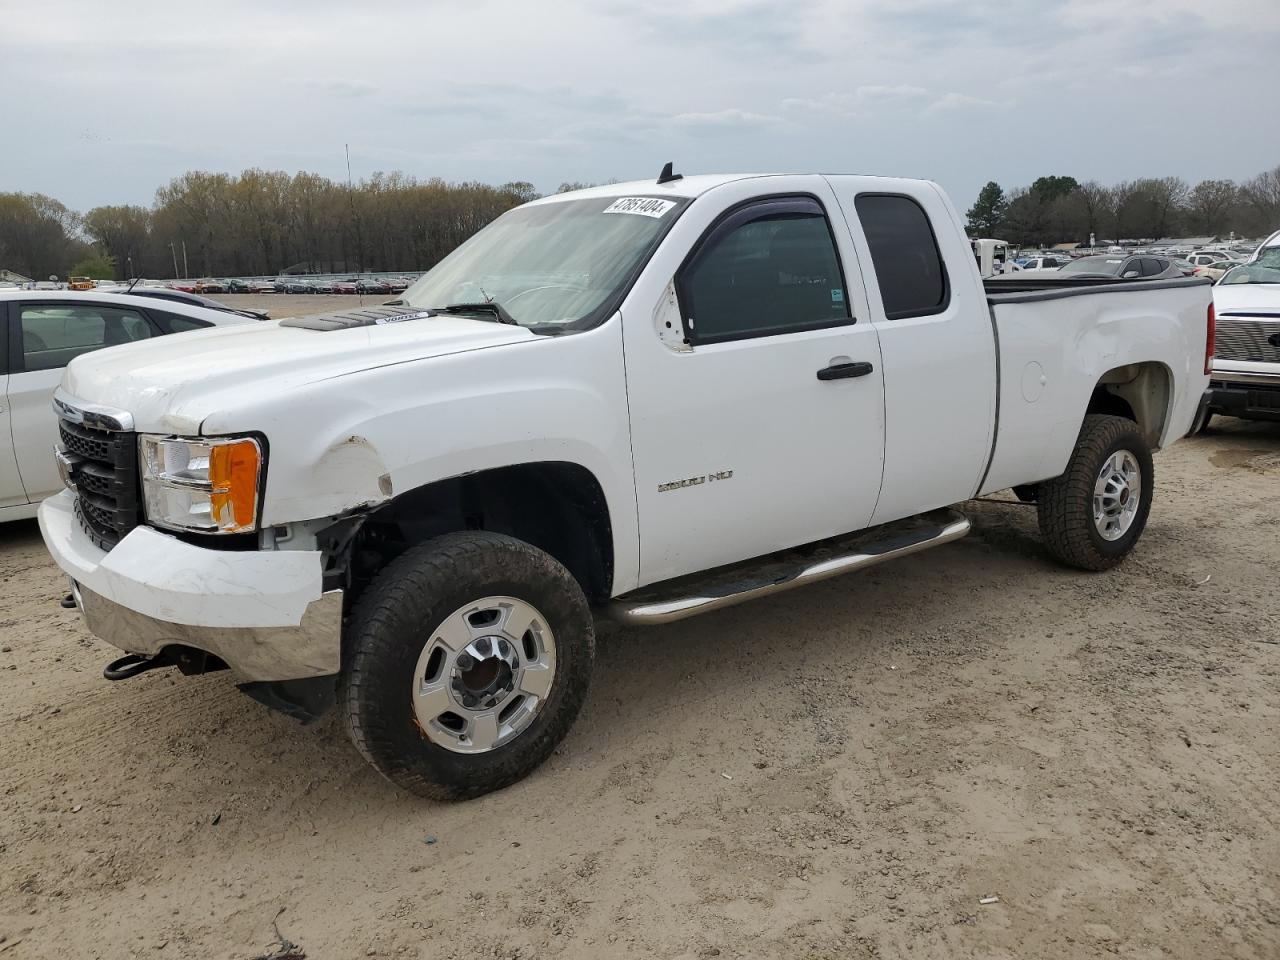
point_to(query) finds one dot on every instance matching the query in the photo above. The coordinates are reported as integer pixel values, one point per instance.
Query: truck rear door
(753, 380)
(937, 341)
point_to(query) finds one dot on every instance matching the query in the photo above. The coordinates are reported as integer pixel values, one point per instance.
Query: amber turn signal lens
(233, 474)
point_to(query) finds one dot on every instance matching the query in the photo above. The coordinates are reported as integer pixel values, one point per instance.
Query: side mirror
(1129, 275)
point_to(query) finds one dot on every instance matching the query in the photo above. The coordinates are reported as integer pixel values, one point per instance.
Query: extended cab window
(767, 269)
(904, 251)
(53, 335)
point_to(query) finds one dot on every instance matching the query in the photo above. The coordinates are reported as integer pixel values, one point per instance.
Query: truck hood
(1246, 298)
(171, 384)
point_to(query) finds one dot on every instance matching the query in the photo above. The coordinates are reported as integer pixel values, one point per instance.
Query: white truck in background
(1246, 371)
(639, 399)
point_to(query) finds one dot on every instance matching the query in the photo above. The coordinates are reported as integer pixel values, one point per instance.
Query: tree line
(263, 222)
(1059, 209)
(259, 223)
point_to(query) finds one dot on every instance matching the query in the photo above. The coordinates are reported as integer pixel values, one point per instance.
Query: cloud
(959, 101)
(343, 89)
(878, 93)
(732, 117)
(593, 89)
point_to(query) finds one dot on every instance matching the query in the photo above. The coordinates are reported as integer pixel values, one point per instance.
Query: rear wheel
(468, 659)
(1092, 515)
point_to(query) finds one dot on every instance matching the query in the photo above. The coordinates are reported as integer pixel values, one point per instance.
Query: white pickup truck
(646, 400)
(1246, 369)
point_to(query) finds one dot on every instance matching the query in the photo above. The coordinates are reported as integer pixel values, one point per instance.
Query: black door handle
(841, 371)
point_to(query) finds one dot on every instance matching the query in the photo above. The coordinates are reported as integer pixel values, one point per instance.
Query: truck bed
(1059, 339)
(1051, 288)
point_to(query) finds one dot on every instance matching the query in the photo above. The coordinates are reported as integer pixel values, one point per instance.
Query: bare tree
(1261, 196)
(1209, 205)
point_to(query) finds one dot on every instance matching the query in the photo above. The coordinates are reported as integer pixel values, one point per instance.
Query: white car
(1203, 258)
(44, 330)
(1043, 263)
(652, 399)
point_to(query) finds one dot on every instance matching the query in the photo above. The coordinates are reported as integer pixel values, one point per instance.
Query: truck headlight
(204, 486)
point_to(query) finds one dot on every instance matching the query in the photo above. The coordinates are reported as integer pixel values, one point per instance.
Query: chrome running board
(689, 596)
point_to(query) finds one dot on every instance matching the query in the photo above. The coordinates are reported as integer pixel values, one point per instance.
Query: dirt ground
(842, 771)
(280, 305)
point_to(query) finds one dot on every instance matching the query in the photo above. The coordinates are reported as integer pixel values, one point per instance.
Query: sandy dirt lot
(280, 305)
(842, 771)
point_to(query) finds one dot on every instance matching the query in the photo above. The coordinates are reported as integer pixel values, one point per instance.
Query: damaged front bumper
(262, 612)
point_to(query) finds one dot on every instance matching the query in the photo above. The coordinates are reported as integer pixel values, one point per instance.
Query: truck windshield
(1252, 273)
(553, 265)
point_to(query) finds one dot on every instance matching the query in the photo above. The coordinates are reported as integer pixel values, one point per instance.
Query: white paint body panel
(12, 494)
(1072, 342)
(354, 417)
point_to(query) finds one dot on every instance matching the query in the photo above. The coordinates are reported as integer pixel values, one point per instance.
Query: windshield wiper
(484, 306)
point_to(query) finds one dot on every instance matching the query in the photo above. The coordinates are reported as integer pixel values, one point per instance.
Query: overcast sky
(102, 102)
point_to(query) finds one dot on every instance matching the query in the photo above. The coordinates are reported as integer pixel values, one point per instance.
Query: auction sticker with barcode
(645, 206)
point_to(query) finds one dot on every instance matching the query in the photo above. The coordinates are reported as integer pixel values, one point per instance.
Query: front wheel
(1092, 515)
(467, 661)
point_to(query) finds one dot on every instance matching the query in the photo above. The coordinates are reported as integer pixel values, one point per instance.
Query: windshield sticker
(1115, 261)
(837, 296)
(402, 317)
(644, 206)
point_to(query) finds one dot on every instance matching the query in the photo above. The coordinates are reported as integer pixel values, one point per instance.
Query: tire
(400, 623)
(1066, 506)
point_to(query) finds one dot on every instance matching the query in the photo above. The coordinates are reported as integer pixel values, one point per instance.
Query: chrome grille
(1248, 338)
(102, 467)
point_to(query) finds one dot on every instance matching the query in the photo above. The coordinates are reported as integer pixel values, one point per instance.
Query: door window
(769, 268)
(909, 269)
(1151, 267)
(54, 334)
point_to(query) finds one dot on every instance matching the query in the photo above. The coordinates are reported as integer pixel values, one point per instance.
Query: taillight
(1210, 334)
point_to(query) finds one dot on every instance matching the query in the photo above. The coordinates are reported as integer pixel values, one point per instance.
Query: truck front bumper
(263, 612)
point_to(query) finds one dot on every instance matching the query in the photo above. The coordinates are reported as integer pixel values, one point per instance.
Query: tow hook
(133, 664)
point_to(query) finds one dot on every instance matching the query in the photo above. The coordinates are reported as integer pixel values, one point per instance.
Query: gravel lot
(279, 305)
(843, 771)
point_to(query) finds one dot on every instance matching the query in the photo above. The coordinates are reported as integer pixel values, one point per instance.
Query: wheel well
(557, 507)
(1137, 391)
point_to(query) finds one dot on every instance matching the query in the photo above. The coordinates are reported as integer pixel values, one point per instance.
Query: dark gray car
(1121, 267)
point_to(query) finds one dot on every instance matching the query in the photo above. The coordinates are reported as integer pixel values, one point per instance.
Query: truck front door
(755, 389)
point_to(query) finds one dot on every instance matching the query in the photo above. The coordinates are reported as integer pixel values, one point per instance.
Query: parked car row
(361, 285)
(211, 285)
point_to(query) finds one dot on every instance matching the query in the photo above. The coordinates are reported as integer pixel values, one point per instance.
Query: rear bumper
(1250, 400)
(264, 613)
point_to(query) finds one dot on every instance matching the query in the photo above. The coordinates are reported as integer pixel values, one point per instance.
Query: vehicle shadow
(19, 533)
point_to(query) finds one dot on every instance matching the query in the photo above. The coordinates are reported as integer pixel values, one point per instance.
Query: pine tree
(987, 211)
